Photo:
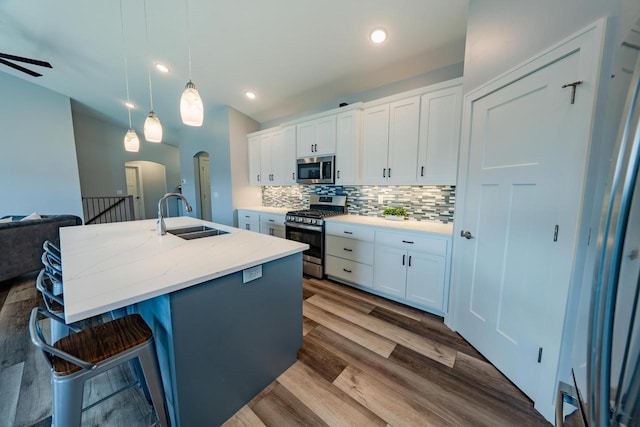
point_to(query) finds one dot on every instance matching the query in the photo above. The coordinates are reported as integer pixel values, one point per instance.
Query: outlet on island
(253, 273)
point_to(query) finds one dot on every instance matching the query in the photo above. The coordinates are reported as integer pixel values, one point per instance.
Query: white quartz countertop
(407, 225)
(267, 209)
(109, 266)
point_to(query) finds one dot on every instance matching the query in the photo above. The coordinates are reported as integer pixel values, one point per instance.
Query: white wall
(38, 166)
(101, 156)
(223, 136)
(503, 33)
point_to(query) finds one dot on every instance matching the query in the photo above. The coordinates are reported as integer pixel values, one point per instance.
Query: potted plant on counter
(394, 214)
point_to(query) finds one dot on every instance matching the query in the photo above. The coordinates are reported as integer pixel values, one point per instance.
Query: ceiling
(295, 54)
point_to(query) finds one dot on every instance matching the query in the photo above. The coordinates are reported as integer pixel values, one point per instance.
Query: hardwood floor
(365, 361)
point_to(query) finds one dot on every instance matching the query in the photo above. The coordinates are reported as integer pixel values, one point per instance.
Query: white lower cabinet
(409, 267)
(248, 220)
(272, 225)
(349, 254)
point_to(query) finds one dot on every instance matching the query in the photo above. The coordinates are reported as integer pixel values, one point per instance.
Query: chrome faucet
(162, 228)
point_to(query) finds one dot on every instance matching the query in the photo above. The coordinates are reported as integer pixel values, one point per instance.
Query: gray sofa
(21, 242)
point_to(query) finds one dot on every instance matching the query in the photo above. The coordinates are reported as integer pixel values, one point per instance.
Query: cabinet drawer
(271, 229)
(249, 225)
(351, 249)
(349, 271)
(248, 216)
(273, 219)
(430, 245)
(350, 231)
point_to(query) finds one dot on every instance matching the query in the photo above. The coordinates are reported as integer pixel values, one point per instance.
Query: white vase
(395, 217)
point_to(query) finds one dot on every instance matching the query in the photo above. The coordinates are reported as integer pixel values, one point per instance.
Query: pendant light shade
(153, 128)
(191, 108)
(131, 141)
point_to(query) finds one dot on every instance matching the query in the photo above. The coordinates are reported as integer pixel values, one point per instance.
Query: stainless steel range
(307, 226)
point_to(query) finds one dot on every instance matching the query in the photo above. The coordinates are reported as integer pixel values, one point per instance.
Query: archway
(202, 180)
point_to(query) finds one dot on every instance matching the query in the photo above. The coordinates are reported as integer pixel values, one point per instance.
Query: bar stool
(55, 304)
(78, 357)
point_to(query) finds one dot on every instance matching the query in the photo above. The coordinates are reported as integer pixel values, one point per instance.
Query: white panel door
(305, 139)
(404, 123)
(375, 144)
(526, 163)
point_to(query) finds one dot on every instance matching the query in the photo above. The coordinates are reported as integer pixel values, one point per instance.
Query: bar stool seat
(76, 358)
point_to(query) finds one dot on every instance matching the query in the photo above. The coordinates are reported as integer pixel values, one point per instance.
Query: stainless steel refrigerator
(606, 349)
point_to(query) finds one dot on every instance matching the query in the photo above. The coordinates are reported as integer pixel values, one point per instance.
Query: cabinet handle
(312, 148)
(338, 174)
(345, 270)
(258, 177)
(348, 250)
(384, 172)
(421, 170)
(409, 260)
(272, 220)
(406, 241)
(316, 147)
(271, 232)
(247, 216)
(389, 172)
(348, 232)
(403, 257)
(293, 176)
(247, 227)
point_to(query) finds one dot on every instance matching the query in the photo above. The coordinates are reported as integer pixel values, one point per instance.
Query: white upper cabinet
(375, 146)
(272, 157)
(254, 160)
(440, 117)
(316, 138)
(390, 142)
(404, 124)
(349, 125)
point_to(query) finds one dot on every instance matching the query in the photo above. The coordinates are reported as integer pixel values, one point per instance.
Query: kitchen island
(219, 340)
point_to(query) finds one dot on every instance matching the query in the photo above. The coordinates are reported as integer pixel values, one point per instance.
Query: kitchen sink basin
(196, 232)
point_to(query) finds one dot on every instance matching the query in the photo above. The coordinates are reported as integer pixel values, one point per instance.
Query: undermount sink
(196, 232)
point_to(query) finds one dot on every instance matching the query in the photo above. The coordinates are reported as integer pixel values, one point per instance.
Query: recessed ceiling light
(130, 105)
(250, 94)
(162, 68)
(378, 35)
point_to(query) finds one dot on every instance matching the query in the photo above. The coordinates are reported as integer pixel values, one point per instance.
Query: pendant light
(131, 141)
(191, 108)
(152, 125)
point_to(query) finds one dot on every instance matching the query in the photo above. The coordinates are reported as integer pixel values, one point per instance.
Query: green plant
(394, 211)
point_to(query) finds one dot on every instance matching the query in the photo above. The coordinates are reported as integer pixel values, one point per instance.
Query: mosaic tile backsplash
(422, 202)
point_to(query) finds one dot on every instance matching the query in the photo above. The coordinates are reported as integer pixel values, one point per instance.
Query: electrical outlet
(380, 199)
(253, 273)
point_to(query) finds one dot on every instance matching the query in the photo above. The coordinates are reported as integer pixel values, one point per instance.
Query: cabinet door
(348, 147)
(404, 124)
(375, 144)
(254, 160)
(425, 279)
(248, 220)
(278, 159)
(440, 116)
(305, 139)
(271, 229)
(390, 270)
(325, 136)
(289, 155)
(265, 159)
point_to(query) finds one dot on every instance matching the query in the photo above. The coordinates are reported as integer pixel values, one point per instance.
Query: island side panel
(232, 339)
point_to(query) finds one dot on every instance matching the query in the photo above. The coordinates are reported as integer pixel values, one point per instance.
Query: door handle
(466, 234)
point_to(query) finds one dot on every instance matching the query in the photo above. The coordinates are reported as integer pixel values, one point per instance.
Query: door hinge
(555, 232)
(539, 354)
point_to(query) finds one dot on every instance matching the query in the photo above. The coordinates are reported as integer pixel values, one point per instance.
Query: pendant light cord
(126, 75)
(146, 29)
(188, 38)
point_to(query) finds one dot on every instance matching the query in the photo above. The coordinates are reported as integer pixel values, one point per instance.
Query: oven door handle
(304, 227)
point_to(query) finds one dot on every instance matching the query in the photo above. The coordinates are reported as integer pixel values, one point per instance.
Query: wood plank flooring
(365, 361)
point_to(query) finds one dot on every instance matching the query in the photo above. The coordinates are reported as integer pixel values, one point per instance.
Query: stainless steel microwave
(316, 170)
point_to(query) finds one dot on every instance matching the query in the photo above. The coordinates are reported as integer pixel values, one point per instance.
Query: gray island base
(223, 341)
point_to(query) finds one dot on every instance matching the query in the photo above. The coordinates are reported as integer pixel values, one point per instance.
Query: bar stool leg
(154, 383)
(67, 402)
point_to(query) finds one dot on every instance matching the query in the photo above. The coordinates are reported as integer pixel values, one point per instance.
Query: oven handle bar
(317, 228)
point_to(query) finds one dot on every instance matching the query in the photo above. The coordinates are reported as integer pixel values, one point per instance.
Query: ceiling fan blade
(19, 68)
(26, 60)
